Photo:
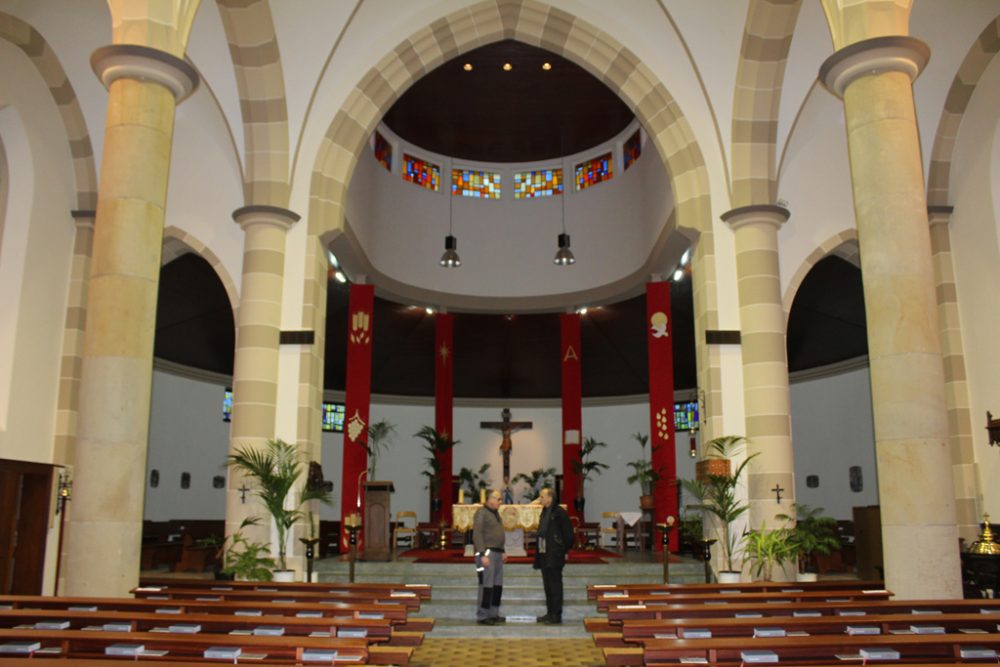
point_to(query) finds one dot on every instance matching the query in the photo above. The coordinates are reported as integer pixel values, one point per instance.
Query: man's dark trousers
(553, 583)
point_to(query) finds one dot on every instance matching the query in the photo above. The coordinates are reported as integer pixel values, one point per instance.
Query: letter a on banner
(572, 417)
(356, 404)
(659, 335)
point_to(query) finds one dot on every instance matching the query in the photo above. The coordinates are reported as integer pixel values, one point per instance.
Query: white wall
(831, 420)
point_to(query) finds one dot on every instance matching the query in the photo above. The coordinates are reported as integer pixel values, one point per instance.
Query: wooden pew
(410, 600)
(423, 591)
(813, 650)
(619, 613)
(605, 601)
(278, 650)
(396, 613)
(594, 590)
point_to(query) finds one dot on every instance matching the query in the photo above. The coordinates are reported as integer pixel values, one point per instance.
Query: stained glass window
(632, 149)
(686, 416)
(478, 184)
(227, 405)
(333, 417)
(593, 171)
(542, 183)
(421, 172)
(383, 152)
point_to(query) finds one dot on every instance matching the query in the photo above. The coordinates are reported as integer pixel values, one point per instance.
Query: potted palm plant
(766, 548)
(435, 444)
(812, 534)
(275, 469)
(584, 468)
(643, 473)
(718, 500)
(473, 481)
(538, 479)
(379, 437)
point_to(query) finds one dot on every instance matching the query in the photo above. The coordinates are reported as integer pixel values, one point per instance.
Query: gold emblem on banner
(658, 325)
(663, 424)
(444, 352)
(360, 326)
(570, 354)
(355, 426)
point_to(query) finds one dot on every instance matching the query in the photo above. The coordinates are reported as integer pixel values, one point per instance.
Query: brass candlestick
(666, 528)
(352, 524)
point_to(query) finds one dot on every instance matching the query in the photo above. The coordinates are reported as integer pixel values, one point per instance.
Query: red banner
(661, 405)
(572, 417)
(360, 318)
(444, 327)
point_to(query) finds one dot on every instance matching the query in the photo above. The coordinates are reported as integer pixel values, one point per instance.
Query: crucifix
(777, 492)
(506, 428)
(243, 493)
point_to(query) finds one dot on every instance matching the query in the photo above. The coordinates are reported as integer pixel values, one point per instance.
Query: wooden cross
(777, 492)
(244, 489)
(506, 428)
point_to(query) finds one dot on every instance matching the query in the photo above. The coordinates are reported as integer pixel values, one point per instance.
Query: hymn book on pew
(20, 648)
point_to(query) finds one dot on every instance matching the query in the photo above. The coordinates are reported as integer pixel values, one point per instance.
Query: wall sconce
(993, 428)
(65, 491)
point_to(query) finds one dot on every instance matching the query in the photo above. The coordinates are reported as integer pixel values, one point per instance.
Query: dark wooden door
(25, 495)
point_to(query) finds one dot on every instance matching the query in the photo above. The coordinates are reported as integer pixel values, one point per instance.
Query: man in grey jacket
(488, 541)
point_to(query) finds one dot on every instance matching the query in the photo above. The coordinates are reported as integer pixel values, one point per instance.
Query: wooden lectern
(378, 520)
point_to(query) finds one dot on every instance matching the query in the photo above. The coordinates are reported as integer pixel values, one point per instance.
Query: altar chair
(404, 532)
(609, 529)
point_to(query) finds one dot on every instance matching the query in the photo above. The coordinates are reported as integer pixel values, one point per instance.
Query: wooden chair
(609, 532)
(404, 532)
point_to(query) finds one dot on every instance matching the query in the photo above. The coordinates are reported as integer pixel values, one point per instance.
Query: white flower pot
(730, 577)
(284, 575)
(806, 576)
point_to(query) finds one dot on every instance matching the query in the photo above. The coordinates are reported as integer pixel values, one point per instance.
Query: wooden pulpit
(378, 520)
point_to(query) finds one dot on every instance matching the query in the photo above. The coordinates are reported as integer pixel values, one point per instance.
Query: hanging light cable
(450, 258)
(564, 256)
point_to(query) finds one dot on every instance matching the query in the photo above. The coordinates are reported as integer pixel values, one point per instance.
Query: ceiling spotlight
(507, 67)
(581, 311)
(678, 275)
(467, 67)
(546, 66)
(339, 275)
(686, 257)
(429, 311)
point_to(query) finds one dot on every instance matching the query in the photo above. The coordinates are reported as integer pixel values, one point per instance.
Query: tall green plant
(379, 436)
(275, 469)
(717, 494)
(472, 481)
(765, 548)
(536, 481)
(587, 466)
(643, 472)
(435, 444)
(812, 534)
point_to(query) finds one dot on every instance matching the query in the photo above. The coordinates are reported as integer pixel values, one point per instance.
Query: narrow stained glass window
(477, 184)
(421, 172)
(383, 152)
(333, 417)
(593, 171)
(632, 149)
(542, 183)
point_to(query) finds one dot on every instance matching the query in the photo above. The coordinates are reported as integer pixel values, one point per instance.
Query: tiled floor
(498, 652)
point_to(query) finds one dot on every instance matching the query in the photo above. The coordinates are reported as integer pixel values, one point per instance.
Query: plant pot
(730, 577)
(647, 502)
(806, 576)
(284, 576)
(706, 467)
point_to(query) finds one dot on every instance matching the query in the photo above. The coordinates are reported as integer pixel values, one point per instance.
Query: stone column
(104, 539)
(968, 494)
(765, 361)
(919, 536)
(255, 365)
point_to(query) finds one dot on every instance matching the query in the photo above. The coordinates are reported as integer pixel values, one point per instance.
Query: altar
(516, 519)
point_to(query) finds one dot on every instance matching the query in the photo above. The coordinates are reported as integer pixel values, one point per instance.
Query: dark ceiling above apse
(523, 114)
(507, 356)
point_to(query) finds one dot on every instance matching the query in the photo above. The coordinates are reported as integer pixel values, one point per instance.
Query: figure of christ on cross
(506, 428)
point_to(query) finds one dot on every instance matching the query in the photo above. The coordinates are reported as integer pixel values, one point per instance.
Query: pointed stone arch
(177, 242)
(843, 245)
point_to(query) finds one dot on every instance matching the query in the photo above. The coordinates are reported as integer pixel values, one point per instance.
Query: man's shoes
(553, 620)
(499, 619)
(542, 619)
(486, 621)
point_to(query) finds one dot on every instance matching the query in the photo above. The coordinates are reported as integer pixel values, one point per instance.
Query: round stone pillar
(255, 364)
(765, 362)
(104, 538)
(916, 493)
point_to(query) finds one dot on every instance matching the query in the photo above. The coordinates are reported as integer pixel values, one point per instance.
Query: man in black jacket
(555, 537)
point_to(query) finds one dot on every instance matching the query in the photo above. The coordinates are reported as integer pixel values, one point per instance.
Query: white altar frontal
(516, 519)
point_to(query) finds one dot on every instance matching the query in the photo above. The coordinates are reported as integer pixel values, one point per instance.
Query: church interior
(289, 287)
